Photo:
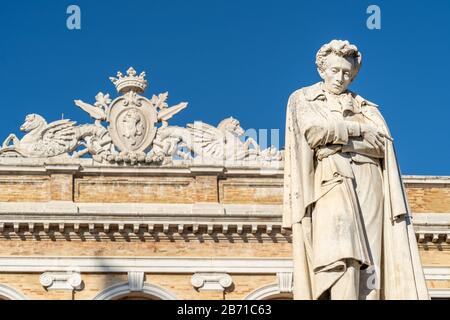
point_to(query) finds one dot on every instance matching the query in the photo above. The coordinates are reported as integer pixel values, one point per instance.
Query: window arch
(8, 293)
(269, 292)
(122, 291)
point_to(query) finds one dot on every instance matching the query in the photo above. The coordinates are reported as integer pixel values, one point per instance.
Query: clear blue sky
(239, 58)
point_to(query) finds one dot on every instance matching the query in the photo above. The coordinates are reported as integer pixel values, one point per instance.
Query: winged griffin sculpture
(137, 132)
(44, 140)
(223, 142)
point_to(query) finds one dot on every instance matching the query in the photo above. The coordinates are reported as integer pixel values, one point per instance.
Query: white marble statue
(344, 198)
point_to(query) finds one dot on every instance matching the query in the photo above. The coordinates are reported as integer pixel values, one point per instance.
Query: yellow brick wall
(435, 257)
(423, 198)
(24, 188)
(134, 189)
(438, 284)
(251, 190)
(144, 249)
(434, 199)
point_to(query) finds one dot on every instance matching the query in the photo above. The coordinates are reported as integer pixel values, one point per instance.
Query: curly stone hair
(341, 48)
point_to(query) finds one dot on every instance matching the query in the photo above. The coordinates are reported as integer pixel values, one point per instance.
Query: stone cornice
(215, 222)
(143, 264)
(432, 228)
(130, 212)
(178, 167)
(88, 167)
(62, 220)
(415, 179)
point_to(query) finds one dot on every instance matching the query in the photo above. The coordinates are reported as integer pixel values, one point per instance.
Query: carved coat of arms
(132, 129)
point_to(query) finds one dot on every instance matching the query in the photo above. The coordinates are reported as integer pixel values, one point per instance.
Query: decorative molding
(285, 281)
(123, 289)
(8, 210)
(436, 273)
(184, 222)
(425, 180)
(283, 288)
(147, 265)
(283, 267)
(62, 220)
(432, 228)
(439, 293)
(431, 219)
(267, 292)
(7, 292)
(62, 168)
(433, 237)
(61, 280)
(136, 281)
(176, 167)
(211, 281)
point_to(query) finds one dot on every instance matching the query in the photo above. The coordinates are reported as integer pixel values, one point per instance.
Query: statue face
(29, 123)
(338, 73)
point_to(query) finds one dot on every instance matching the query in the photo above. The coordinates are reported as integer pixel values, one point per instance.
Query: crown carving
(130, 82)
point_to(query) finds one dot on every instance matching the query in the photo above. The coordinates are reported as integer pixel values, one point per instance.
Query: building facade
(78, 230)
(139, 209)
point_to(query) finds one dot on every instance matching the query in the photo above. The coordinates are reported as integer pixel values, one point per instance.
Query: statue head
(338, 63)
(231, 125)
(32, 121)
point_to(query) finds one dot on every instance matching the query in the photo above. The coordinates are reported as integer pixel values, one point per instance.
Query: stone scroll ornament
(132, 129)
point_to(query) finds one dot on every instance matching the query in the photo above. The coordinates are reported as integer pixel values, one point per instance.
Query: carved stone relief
(132, 129)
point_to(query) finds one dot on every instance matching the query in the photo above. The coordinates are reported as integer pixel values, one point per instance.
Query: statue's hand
(327, 150)
(374, 136)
